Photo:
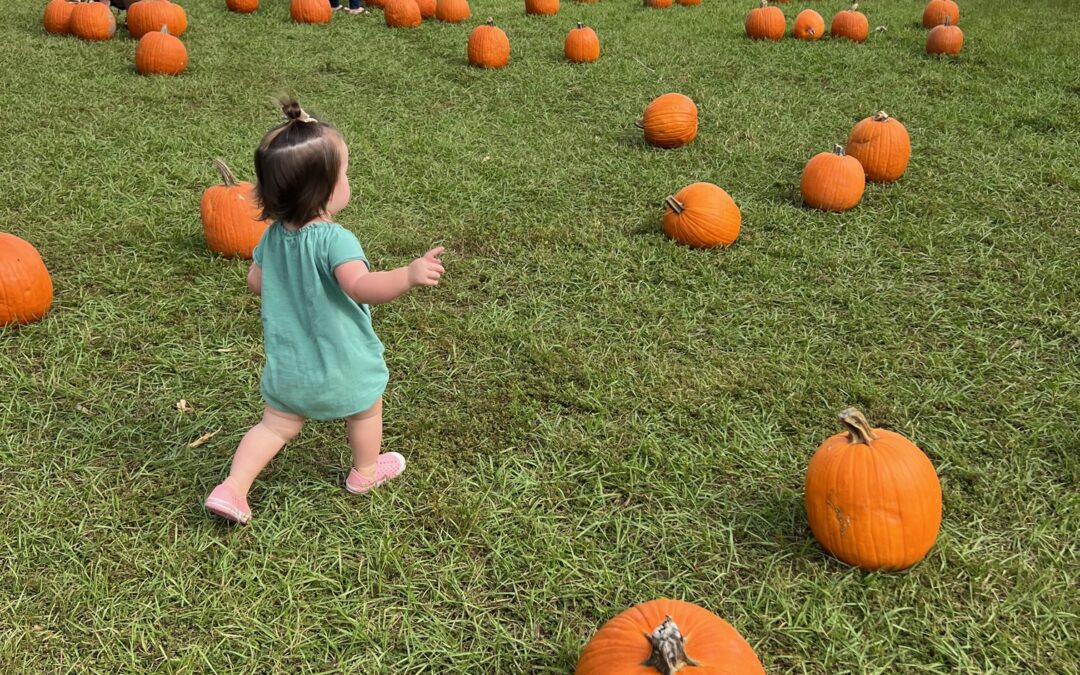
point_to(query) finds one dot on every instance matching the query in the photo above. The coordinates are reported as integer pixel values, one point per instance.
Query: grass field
(593, 415)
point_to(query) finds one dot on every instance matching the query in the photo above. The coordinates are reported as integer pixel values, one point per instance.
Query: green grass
(593, 415)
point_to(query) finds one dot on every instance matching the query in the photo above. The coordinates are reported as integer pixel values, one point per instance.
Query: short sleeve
(342, 247)
(257, 254)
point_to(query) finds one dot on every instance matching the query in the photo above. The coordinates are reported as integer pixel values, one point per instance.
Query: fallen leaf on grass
(83, 409)
(183, 406)
(203, 439)
(225, 350)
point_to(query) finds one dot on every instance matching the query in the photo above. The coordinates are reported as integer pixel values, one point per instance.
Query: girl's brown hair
(296, 167)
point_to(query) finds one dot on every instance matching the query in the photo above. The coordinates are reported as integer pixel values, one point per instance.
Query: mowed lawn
(593, 416)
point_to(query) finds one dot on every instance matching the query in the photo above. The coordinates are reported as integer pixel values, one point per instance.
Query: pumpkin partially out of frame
(582, 45)
(159, 53)
(668, 636)
(26, 290)
(230, 216)
(242, 6)
(832, 181)
(851, 24)
(882, 146)
(542, 7)
(702, 215)
(92, 21)
(765, 22)
(689, 3)
(670, 121)
(148, 16)
(809, 25)
(658, 4)
(937, 11)
(310, 11)
(402, 14)
(57, 17)
(426, 7)
(873, 498)
(945, 39)
(488, 46)
(452, 11)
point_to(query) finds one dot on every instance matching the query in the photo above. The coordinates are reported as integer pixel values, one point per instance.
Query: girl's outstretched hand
(427, 270)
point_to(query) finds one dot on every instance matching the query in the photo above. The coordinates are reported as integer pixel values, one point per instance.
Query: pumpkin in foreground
(945, 39)
(402, 14)
(488, 46)
(873, 498)
(230, 216)
(882, 146)
(702, 215)
(765, 22)
(582, 45)
(92, 21)
(310, 11)
(809, 25)
(670, 121)
(26, 290)
(832, 181)
(668, 636)
(57, 17)
(147, 16)
(159, 53)
(452, 11)
(937, 11)
(851, 24)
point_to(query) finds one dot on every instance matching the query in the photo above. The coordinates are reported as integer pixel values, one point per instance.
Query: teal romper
(323, 359)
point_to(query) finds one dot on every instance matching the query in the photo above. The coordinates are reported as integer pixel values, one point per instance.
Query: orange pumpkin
(658, 4)
(159, 53)
(310, 11)
(26, 291)
(148, 16)
(873, 498)
(882, 146)
(851, 24)
(945, 39)
(670, 121)
(92, 21)
(57, 17)
(542, 7)
(765, 22)
(665, 636)
(452, 11)
(832, 181)
(809, 25)
(688, 3)
(402, 14)
(242, 6)
(702, 215)
(427, 8)
(582, 45)
(937, 11)
(488, 46)
(230, 216)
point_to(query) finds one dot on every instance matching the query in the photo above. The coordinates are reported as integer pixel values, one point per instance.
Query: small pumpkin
(582, 45)
(658, 4)
(945, 39)
(427, 8)
(402, 14)
(809, 25)
(242, 6)
(92, 21)
(702, 215)
(832, 181)
(310, 11)
(542, 7)
(670, 121)
(665, 636)
(159, 53)
(488, 46)
(882, 146)
(57, 17)
(765, 22)
(148, 16)
(230, 216)
(938, 10)
(452, 11)
(851, 24)
(26, 290)
(689, 3)
(873, 498)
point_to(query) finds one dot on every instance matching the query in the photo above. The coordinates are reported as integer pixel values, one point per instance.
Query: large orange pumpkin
(26, 291)
(765, 22)
(57, 17)
(882, 146)
(542, 7)
(242, 6)
(851, 24)
(938, 10)
(402, 14)
(945, 39)
(159, 53)
(488, 46)
(670, 121)
(582, 45)
(832, 181)
(230, 216)
(809, 25)
(665, 636)
(92, 21)
(146, 16)
(702, 215)
(427, 8)
(872, 497)
(310, 11)
(452, 11)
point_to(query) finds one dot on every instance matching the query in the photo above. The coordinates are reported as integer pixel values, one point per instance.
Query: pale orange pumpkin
(242, 6)
(809, 25)
(57, 17)
(882, 146)
(582, 45)
(851, 24)
(159, 53)
(670, 121)
(832, 181)
(765, 22)
(873, 498)
(488, 46)
(230, 216)
(945, 39)
(26, 290)
(452, 11)
(664, 637)
(702, 215)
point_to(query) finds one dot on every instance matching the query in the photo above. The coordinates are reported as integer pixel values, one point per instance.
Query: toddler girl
(323, 360)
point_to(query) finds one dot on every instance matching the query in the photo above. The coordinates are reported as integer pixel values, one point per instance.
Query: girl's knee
(285, 426)
(367, 414)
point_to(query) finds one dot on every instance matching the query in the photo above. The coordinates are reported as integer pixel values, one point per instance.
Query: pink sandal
(388, 465)
(224, 502)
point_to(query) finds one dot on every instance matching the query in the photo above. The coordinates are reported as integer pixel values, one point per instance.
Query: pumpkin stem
(674, 204)
(165, 29)
(764, 3)
(854, 6)
(640, 124)
(227, 176)
(580, 25)
(839, 150)
(881, 116)
(491, 21)
(668, 649)
(948, 20)
(859, 430)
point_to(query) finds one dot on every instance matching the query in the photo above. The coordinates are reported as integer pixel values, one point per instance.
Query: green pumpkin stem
(668, 649)
(674, 204)
(858, 428)
(227, 176)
